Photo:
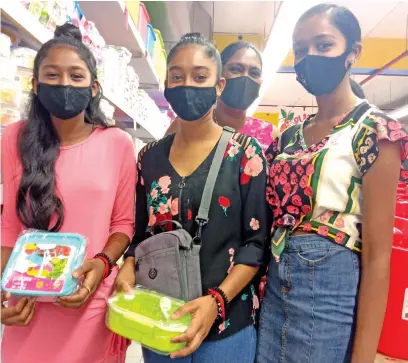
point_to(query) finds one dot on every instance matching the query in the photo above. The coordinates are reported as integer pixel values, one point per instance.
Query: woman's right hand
(20, 314)
(126, 278)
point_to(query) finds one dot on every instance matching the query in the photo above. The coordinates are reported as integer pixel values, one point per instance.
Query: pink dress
(96, 180)
(260, 130)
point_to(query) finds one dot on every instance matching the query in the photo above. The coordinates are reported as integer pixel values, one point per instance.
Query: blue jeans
(238, 348)
(309, 309)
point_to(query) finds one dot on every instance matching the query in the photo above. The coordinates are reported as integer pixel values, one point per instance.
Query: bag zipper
(181, 185)
(183, 268)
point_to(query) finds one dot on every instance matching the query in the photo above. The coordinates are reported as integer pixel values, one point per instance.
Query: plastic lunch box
(144, 316)
(42, 264)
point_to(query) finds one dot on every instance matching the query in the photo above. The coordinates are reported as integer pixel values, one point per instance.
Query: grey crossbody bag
(169, 262)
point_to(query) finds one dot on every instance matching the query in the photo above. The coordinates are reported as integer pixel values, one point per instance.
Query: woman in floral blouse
(172, 174)
(332, 190)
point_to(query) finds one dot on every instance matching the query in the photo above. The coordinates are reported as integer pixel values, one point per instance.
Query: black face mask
(191, 103)
(321, 75)
(64, 102)
(240, 92)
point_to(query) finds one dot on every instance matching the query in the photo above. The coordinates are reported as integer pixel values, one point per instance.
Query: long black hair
(39, 144)
(230, 50)
(341, 18)
(197, 39)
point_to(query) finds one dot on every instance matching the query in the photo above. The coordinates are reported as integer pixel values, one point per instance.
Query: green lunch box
(144, 316)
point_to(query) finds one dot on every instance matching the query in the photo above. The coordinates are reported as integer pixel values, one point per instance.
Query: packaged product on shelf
(131, 86)
(36, 7)
(5, 44)
(145, 317)
(124, 59)
(42, 264)
(114, 68)
(24, 57)
(52, 14)
(109, 69)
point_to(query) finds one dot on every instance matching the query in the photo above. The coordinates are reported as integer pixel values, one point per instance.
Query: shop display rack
(115, 28)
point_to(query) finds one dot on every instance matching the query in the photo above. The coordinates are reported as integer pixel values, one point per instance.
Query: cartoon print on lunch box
(41, 268)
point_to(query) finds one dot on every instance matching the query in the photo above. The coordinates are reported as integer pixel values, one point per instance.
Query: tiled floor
(134, 354)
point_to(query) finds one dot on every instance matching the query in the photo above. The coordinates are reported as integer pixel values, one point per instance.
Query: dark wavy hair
(39, 144)
(197, 39)
(232, 48)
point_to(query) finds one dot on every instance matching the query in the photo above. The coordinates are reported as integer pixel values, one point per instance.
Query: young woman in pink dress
(65, 170)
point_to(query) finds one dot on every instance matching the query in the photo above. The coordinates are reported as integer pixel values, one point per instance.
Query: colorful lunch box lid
(42, 264)
(145, 317)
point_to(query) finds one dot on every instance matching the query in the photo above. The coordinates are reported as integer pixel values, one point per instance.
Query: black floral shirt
(237, 229)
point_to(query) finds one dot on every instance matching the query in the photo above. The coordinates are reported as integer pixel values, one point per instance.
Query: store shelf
(36, 35)
(20, 17)
(117, 28)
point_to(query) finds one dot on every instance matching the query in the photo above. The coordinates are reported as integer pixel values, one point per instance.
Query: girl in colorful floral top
(172, 174)
(242, 69)
(332, 189)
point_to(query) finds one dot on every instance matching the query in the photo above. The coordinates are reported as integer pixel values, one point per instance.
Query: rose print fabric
(319, 188)
(237, 229)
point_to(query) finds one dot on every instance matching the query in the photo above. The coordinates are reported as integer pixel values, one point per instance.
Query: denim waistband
(307, 242)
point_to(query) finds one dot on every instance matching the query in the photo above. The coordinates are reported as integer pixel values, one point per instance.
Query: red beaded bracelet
(108, 270)
(220, 303)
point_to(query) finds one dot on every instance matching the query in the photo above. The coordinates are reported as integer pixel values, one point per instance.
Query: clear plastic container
(145, 317)
(42, 264)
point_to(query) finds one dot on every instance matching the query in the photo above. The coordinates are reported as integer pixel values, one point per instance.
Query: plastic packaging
(42, 264)
(133, 8)
(145, 317)
(144, 20)
(150, 39)
(160, 57)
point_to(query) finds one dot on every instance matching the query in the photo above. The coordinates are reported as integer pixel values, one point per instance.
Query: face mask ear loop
(349, 49)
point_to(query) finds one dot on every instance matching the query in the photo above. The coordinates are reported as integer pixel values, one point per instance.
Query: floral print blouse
(237, 229)
(319, 188)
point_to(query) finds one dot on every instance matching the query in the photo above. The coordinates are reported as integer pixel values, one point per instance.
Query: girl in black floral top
(172, 174)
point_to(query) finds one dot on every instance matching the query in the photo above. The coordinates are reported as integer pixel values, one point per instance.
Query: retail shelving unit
(109, 21)
(117, 28)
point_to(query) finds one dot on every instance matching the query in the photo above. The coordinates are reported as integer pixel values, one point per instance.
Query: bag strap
(203, 211)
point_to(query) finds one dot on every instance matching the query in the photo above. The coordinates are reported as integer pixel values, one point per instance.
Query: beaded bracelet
(108, 264)
(222, 299)
(220, 305)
